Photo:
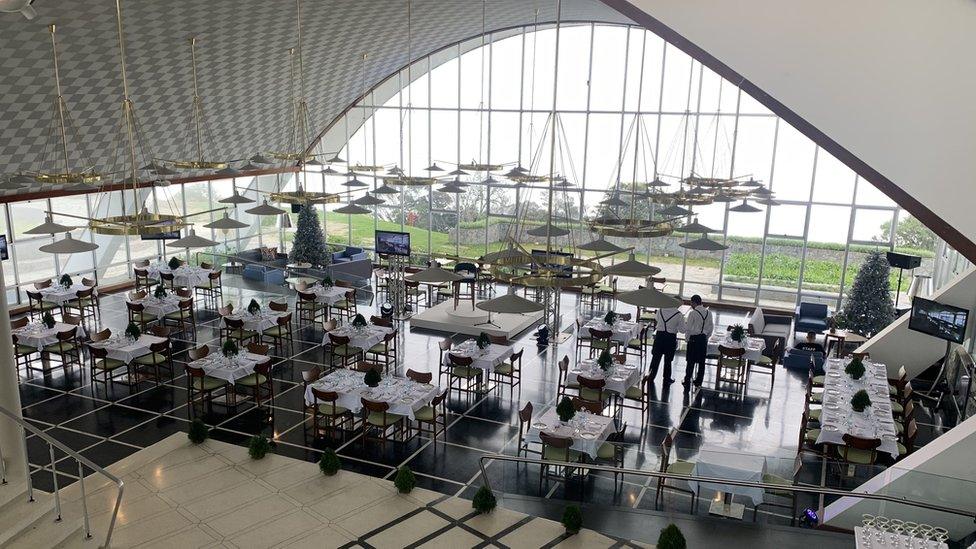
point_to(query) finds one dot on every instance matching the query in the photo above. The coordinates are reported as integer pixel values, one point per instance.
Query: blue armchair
(800, 359)
(351, 253)
(810, 317)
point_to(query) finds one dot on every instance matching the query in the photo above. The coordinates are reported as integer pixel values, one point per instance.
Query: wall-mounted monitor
(4, 253)
(172, 235)
(938, 320)
(392, 243)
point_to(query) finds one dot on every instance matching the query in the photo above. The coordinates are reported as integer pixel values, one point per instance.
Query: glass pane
(834, 181)
(825, 251)
(872, 226)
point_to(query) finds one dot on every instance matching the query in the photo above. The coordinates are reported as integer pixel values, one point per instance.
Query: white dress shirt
(675, 325)
(699, 321)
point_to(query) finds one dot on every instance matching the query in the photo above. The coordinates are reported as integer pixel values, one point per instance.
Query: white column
(11, 434)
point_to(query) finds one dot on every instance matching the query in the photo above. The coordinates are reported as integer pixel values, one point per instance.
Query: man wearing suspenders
(669, 321)
(698, 327)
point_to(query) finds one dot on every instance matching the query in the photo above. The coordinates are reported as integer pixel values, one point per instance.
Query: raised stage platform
(464, 320)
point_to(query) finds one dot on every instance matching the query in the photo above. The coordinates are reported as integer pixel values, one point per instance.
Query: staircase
(32, 524)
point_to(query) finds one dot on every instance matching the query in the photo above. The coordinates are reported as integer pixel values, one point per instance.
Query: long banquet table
(838, 418)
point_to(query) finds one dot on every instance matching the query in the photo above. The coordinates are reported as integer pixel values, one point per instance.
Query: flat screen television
(392, 243)
(172, 235)
(938, 320)
(562, 271)
(4, 254)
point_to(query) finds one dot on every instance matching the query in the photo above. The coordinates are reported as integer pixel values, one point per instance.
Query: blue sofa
(799, 359)
(810, 317)
(351, 253)
(264, 273)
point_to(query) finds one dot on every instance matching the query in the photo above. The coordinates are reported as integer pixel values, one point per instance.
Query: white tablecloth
(37, 335)
(122, 348)
(260, 321)
(159, 307)
(59, 294)
(403, 395)
(328, 296)
(218, 366)
(730, 464)
(485, 359)
(588, 431)
(838, 418)
(621, 376)
(754, 346)
(184, 275)
(364, 338)
(623, 330)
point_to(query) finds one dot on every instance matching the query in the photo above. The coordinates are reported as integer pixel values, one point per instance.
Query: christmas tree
(869, 307)
(309, 245)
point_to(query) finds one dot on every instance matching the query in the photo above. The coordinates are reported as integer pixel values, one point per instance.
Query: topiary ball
(198, 431)
(484, 501)
(405, 480)
(572, 519)
(329, 463)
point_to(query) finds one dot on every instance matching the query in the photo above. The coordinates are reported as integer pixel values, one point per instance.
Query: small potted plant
(132, 331)
(258, 447)
(230, 349)
(253, 307)
(855, 368)
(48, 320)
(671, 538)
(572, 519)
(483, 341)
(359, 321)
(372, 377)
(329, 463)
(174, 263)
(159, 292)
(66, 281)
(405, 480)
(737, 333)
(610, 318)
(484, 501)
(327, 282)
(860, 401)
(605, 360)
(198, 431)
(831, 324)
(565, 410)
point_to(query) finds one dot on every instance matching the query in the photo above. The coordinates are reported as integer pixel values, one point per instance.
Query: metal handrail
(82, 462)
(732, 482)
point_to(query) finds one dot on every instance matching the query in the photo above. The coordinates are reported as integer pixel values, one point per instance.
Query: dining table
(618, 377)
(623, 330)
(754, 346)
(838, 417)
(258, 321)
(126, 349)
(229, 368)
(404, 395)
(184, 275)
(726, 463)
(361, 337)
(483, 359)
(159, 307)
(588, 431)
(60, 295)
(38, 335)
(329, 295)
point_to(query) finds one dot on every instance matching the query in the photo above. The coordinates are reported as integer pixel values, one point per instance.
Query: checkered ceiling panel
(242, 61)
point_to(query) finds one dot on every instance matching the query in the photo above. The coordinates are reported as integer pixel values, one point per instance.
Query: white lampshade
(191, 240)
(49, 227)
(225, 224)
(68, 245)
(265, 209)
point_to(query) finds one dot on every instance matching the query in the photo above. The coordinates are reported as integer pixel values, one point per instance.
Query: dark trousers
(697, 350)
(664, 345)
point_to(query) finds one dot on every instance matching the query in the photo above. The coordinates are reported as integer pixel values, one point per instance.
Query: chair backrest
(311, 375)
(909, 410)
(199, 352)
(338, 339)
(141, 263)
(278, 306)
(525, 414)
(134, 307)
(85, 294)
(140, 273)
(100, 336)
(161, 347)
(460, 360)
(419, 377)
(860, 443)
(284, 320)
(374, 406)
(43, 284)
(625, 316)
(214, 275)
(554, 441)
(731, 352)
(324, 396)
(499, 340)
(305, 296)
(590, 383)
(193, 371)
(258, 348)
(186, 304)
(136, 296)
(818, 310)
(465, 266)
(588, 405)
(87, 282)
(445, 344)
(329, 325)
(233, 323)
(97, 353)
(160, 331)
(19, 323)
(74, 320)
(911, 430)
(517, 356)
(380, 321)
(68, 335)
(184, 292)
(205, 265)
(600, 334)
(438, 400)
(168, 276)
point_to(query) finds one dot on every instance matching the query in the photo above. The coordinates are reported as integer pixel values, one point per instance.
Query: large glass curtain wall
(629, 106)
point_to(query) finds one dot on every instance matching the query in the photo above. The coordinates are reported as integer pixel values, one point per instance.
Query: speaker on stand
(902, 262)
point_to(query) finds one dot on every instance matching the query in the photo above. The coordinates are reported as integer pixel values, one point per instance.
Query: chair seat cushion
(207, 383)
(379, 348)
(342, 304)
(681, 467)
(899, 428)
(863, 457)
(151, 359)
(607, 450)
(242, 334)
(896, 407)
(816, 398)
(572, 385)
(379, 420)
(504, 368)
(252, 380)
(634, 393)
(141, 317)
(901, 449)
(815, 414)
(25, 349)
(176, 315)
(59, 347)
(277, 331)
(560, 454)
(818, 380)
(635, 343)
(811, 435)
(601, 344)
(465, 372)
(763, 360)
(346, 350)
(108, 364)
(892, 390)
(593, 395)
(331, 409)
(729, 362)
(425, 413)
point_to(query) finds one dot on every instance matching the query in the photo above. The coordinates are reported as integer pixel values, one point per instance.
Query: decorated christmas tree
(309, 245)
(869, 307)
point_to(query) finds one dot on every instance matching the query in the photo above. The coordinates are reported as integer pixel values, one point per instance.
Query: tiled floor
(108, 425)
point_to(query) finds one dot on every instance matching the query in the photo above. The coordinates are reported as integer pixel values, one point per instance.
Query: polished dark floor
(106, 425)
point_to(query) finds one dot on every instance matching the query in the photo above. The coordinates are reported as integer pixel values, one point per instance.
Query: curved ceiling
(241, 57)
(884, 85)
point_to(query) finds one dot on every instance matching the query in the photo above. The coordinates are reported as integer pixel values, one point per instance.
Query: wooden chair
(168, 280)
(586, 406)
(260, 382)
(679, 467)
(419, 377)
(278, 306)
(593, 390)
(280, 334)
(463, 289)
(510, 371)
(599, 341)
(105, 370)
(212, 290)
(66, 348)
(199, 385)
(327, 415)
(159, 357)
(415, 294)
(38, 306)
(309, 310)
(385, 352)
(564, 386)
(432, 419)
(611, 452)
(183, 319)
(24, 355)
(207, 266)
(525, 421)
(638, 397)
(445, 347)
(556, 448)
(731, 360)
(784, 493)
(235, 331)
(907, 444)
(858, 451)
(341, 349)
(380, 321)
(143, 280)
(86, 306)
(589, 296)
(43, 284)
(378, 418)
(138, 315)
(638, 346)
(461, 373)
(345, 308)
(767, 363)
